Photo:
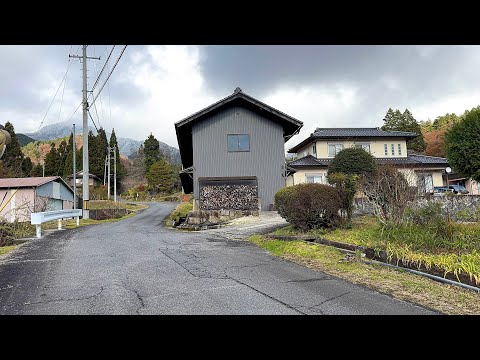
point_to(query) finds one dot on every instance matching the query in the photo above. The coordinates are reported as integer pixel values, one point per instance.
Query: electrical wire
(93, 120)
(108, 77)
(103, 69)
(63, 79)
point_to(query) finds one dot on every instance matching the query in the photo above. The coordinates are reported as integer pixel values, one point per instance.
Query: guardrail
(40, 217)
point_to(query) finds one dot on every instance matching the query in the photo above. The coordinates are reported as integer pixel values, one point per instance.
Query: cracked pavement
(136, 266)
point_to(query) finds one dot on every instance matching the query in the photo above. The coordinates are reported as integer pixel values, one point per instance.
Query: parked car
(441, 190)
(458, 189)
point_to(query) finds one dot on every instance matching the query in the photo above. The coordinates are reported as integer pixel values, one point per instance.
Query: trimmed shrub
(309, 206)
(352, 161)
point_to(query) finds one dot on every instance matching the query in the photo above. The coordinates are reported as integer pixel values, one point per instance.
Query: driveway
(136, 266)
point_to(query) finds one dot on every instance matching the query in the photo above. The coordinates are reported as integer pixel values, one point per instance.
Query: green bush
(353, 161)
(309, 206)
(181, 210)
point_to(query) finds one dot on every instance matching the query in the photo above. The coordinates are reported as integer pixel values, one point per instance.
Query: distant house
(233, 153)
(388, 147)
(19, 197)
(93, 180)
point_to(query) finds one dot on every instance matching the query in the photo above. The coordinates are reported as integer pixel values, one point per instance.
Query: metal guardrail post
(78, 220)
(38, 229)
(59, 224)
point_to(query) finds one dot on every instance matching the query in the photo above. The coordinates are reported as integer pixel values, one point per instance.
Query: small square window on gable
(238, 142)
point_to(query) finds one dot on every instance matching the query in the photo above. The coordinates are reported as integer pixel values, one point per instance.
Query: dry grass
(399, 284)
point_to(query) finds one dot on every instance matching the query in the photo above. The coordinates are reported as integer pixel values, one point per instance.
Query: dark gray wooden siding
(265, 160)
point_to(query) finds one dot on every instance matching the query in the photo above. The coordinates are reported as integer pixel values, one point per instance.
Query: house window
(386, 149)
(238, 143)
(365, 147)
(393, 149)
(334, 149)
(399, 149)
(315, 178)
(314, 149)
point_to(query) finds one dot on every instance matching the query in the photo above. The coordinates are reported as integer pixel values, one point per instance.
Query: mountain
(127, 146)
(24, 139)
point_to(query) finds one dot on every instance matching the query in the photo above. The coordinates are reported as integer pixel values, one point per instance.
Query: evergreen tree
(13, 156)
(396, 121)
(389, 120)
(121, 171)
(462, 142)
(160, 177)
(94, 152)
(37, 170)
(410, 124)
(68, 168)
(98, 162)
(27, 166)
(51, 161)
(151, 148)
(62, 153)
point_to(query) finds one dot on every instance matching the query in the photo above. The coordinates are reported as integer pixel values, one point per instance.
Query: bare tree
(389, 193)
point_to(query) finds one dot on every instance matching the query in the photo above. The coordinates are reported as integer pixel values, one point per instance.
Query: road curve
(136, 266)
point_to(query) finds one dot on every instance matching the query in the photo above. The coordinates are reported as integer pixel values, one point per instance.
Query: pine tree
(160, 177)
(101, 143)
(62, 153)
(151, 148)
(51, 161)
(93, 153)
(389, 120)
(13, 156)
(120, 168)
(68, 168)
(27, 166)
(396, 121)
(37, 170)
(410, 124)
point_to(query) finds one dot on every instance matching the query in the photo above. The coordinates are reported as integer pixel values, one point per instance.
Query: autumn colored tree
(435, 141)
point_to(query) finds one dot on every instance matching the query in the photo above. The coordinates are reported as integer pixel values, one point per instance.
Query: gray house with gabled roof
(233, 153)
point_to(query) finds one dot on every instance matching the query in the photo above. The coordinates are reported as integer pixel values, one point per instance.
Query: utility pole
(85, 193)
(105, 171)
(43, 168)
(108, 176)
(74, 150)
(115, 173)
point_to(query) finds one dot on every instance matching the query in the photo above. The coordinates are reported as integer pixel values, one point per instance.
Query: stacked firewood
(234, 197)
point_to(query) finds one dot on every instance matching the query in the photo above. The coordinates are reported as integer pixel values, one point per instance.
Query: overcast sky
(152, 87)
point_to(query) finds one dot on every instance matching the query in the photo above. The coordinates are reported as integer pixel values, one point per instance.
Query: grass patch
(413, 244)
(402, 285)
(109, 204)
(180, 210)
(6, 249)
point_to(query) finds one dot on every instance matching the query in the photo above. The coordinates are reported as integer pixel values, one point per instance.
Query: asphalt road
(136, 266)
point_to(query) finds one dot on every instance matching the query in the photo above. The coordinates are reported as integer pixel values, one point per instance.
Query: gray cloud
(413, 77)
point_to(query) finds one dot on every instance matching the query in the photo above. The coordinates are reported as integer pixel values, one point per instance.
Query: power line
(108, 77)
(64, 76)
(93, 121)
(78, 107)
(103, 69)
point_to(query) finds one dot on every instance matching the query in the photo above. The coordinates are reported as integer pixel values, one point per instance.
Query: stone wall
(206, 217)
(460, 207)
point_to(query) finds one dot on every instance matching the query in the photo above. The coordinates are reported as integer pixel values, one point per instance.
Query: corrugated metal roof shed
(26, 182)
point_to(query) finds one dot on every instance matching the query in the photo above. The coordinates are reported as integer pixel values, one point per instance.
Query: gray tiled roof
(360, 132)
(413, 160)
(332, 133)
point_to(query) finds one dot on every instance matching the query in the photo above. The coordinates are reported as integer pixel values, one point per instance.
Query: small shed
(93, 180)
(19, 197)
